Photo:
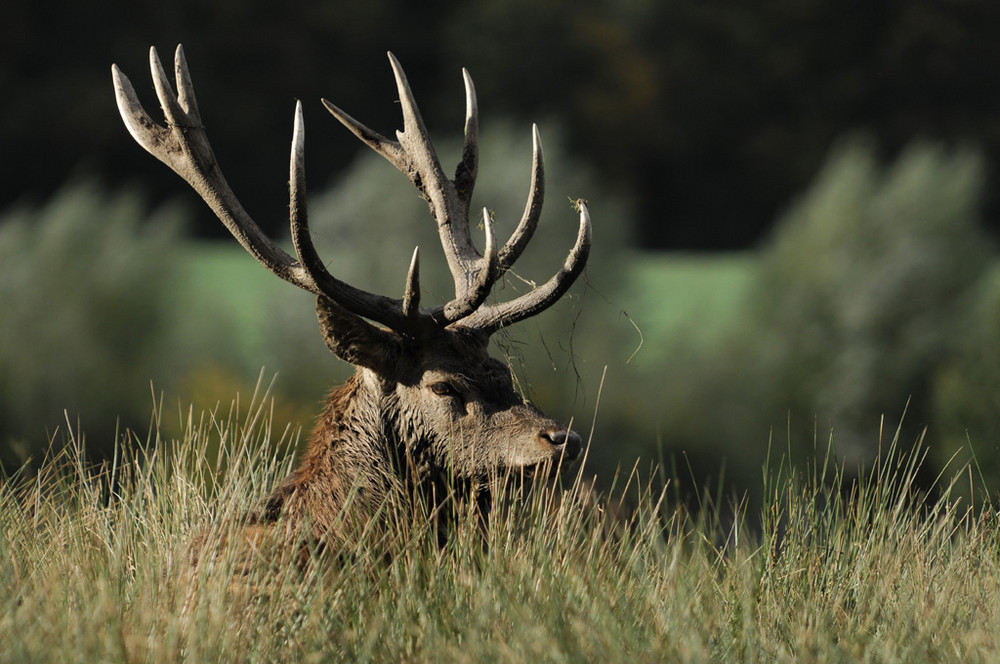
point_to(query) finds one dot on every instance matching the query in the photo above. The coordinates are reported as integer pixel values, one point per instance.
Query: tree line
(711, 115)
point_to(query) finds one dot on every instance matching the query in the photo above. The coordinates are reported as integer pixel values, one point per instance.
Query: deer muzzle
(565, 442)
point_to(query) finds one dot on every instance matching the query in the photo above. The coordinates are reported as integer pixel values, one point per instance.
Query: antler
(183, 145)
(449, 200)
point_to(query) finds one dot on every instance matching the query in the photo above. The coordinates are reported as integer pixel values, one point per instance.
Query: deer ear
(355, 340)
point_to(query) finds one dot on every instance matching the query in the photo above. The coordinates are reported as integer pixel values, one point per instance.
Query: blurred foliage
(966, 389)
(868, 302)
(84, 326)
(106, 314)
(710, 114)
(866, 283)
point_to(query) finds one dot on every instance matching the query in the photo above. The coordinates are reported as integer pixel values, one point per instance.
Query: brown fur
(318, 485)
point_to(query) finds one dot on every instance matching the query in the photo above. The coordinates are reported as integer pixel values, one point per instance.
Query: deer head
(427, 399)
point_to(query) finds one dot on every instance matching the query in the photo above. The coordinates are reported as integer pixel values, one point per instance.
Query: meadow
(94, 566)
(785, 521)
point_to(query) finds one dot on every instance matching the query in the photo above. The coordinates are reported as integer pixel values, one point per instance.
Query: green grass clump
(94, 567)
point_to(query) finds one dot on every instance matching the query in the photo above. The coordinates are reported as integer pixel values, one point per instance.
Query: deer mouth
(561, 458)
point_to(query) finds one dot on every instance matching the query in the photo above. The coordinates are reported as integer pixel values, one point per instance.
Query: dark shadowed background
(711, 115)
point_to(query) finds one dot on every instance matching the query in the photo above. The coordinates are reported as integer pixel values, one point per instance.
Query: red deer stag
(427, 405)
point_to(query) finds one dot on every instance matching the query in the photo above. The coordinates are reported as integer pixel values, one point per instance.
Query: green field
(696, 297)
(672, 295)
(234, 285)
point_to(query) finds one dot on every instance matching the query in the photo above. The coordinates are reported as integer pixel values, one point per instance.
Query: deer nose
(569, 441)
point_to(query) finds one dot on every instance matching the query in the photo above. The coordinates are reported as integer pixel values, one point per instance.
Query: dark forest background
(711, 115)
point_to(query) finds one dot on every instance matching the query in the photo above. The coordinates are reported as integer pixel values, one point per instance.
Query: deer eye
(443, 389)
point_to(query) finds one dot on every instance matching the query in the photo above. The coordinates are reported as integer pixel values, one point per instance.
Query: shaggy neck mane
(354, 454)
(329, 468)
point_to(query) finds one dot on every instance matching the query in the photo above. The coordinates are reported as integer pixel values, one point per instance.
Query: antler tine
(411, 292)
(490, 319)
(468, 168)
(175, 115)
(519, 239)
(185, 89)
(298, 213)
(414, 128)
(389, 149)
(140, 125)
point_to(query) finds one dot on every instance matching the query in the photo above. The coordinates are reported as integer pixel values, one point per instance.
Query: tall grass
(94, 567)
